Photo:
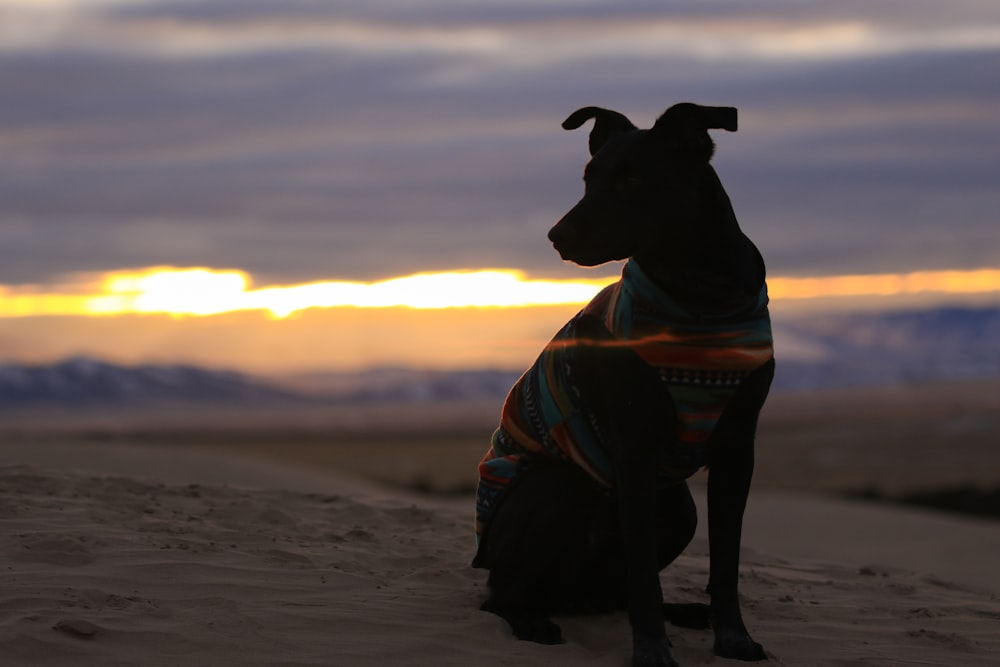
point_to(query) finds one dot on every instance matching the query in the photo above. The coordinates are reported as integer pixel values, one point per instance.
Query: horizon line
(201, 291)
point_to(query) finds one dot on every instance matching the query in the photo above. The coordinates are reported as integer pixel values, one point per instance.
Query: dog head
(641, 187)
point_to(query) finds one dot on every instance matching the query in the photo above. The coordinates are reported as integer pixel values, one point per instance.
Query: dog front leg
(627, 398)
(637, 505)
(731, 460)
(728, 486)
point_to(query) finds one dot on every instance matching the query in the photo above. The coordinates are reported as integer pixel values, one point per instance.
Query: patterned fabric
(702, 362)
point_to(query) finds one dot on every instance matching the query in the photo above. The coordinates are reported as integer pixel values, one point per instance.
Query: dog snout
(562, 234)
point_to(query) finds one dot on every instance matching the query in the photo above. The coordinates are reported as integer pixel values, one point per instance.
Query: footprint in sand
(76, 627)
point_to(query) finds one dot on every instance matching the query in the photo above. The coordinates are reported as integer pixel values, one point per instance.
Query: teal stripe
(548, 386)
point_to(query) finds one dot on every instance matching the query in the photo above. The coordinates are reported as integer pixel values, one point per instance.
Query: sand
(114, 554)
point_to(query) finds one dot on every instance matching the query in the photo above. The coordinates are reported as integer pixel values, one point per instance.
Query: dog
(582, 497)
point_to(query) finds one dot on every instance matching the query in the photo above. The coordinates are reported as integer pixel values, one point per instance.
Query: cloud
(362, 140)
(520, 39)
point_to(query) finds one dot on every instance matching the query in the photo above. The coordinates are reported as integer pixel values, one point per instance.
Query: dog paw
(539, 629)
(740, 647)
(652, 653)
(527, 625)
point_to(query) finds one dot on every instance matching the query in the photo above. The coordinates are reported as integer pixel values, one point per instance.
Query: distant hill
(82, 381)
(406, 385)
(816, 352)
(887, 349)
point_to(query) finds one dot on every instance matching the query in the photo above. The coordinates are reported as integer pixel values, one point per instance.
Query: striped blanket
(702, 361)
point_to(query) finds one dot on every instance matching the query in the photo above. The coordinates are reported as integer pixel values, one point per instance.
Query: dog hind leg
(678, 520)
(540, 550)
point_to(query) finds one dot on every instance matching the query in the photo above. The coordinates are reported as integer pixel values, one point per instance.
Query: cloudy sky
(303, 140)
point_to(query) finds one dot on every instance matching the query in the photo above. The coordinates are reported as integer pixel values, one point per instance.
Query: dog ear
(696, 116)
(685, 127)
(720, 118)
(606, 124)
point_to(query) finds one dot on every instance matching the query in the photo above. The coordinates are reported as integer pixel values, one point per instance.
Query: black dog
(582, 498)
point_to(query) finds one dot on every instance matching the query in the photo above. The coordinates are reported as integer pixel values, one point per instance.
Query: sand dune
(165, 556)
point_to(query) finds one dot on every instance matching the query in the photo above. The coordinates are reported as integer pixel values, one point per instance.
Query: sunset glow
(202, 291)
(979, 281)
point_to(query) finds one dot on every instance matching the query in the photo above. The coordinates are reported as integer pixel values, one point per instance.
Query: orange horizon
(194, 292)
(129, 322)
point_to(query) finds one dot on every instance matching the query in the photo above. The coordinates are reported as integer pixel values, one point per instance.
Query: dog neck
(704, 262)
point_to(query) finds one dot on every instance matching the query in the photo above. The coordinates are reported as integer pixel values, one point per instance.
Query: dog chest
(701, 363)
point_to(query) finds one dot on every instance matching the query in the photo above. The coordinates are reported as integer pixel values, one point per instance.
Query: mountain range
(84, 381)
(887, 349)
(841, 350)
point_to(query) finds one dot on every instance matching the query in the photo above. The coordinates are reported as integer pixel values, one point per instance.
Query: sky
(359, 141)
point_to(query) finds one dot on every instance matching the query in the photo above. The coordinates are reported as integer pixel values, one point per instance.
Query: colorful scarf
(702, 361)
